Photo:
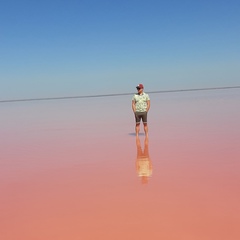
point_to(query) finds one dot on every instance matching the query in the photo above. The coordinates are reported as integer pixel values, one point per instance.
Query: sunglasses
(138, 88)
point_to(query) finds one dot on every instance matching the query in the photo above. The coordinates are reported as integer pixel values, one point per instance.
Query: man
(140, 107)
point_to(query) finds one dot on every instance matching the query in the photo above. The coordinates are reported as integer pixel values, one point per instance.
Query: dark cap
(139, 86)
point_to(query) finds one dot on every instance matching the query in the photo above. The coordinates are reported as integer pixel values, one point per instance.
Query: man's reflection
(143, 161)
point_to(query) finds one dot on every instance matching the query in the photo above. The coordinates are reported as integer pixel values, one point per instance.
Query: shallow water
(73, 169)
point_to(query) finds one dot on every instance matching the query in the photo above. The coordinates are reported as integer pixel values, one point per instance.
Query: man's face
(140, 90)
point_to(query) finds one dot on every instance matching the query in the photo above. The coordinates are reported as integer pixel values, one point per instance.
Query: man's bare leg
(137, 128)
(145, 129)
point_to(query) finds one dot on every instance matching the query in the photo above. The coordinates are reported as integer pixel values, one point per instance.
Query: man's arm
(148, 105)
(133, 106)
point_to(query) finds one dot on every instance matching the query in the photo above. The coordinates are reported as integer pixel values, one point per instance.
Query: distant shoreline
(115, 94)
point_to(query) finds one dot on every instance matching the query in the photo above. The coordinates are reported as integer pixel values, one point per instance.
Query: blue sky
(67, 48)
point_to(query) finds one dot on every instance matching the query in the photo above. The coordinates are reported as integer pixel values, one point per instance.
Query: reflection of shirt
(144, 168)
(141, 102)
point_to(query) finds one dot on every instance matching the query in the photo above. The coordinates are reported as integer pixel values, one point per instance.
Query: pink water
(73, 170)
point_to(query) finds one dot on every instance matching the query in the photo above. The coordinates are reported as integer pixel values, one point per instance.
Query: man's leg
(145, 124)
(138, 120)
(137, 128)
(145, 129)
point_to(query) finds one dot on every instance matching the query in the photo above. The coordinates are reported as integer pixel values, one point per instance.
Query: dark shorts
(141, 115)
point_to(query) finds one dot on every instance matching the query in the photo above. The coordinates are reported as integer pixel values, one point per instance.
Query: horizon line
(114, 94)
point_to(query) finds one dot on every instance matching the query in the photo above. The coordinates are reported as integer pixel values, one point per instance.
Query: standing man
(140, 107)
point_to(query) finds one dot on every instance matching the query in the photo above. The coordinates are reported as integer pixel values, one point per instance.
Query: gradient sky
(67, 48)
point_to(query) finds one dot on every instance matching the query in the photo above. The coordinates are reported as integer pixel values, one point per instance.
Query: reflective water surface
(73, 169)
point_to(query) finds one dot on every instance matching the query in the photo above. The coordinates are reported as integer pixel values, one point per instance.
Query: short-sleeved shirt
(141, 101)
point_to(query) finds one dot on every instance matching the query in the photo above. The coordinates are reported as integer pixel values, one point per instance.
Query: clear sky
(53, 48)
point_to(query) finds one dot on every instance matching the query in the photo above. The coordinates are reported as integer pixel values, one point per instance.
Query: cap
(139, 86)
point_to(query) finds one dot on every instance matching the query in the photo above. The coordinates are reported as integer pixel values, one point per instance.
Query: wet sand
(73, 169)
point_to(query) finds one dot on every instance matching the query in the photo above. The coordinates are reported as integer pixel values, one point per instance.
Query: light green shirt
(141, 102)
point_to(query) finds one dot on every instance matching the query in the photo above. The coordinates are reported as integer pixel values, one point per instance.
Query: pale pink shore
(68, 169)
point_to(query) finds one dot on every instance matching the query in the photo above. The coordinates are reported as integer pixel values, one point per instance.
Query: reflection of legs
(139, 147)
(146, 147)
